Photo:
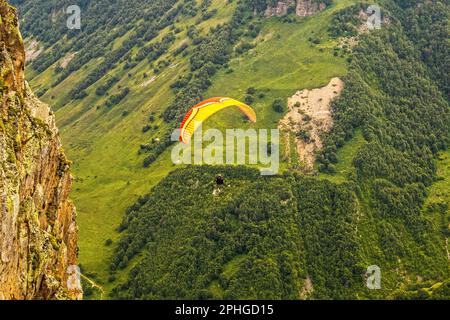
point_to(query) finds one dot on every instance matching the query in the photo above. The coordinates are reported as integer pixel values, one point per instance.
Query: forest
(245, 242)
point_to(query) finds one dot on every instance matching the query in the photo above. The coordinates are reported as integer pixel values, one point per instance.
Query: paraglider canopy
(203, 110)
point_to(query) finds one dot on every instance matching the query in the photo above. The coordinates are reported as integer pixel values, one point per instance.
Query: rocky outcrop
(307, 8)
(38, 231)
(280, 9)
(303, 8)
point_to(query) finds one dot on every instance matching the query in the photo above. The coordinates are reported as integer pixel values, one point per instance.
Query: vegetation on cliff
(38, 237)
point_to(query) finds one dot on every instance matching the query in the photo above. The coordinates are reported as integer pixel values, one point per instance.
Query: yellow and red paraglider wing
(203, 110)
(245, 109)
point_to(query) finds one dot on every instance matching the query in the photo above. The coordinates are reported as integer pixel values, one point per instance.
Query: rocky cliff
(38, 231)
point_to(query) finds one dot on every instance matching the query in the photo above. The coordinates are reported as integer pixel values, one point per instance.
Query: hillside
(120, 85)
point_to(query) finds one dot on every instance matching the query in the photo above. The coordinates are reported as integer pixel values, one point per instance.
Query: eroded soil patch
(32, 50)
(309, 117)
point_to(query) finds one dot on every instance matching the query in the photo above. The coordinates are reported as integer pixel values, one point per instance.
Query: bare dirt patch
(309, 117)
(66, 60)
(147, 82)
(32, 50)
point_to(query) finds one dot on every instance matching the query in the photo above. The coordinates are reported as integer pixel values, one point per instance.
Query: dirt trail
(308, 118)
(446, 248)
(94, 285)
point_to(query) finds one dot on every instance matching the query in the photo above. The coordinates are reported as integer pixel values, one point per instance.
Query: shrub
(249, 99)
(278, 105)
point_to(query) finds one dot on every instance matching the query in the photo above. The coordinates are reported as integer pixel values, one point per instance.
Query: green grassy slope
(109, 173)
(103, 142)
(283, 62)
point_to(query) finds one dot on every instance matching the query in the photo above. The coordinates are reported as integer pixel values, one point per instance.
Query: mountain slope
(389, 125)
(321, 246)
(104, 142)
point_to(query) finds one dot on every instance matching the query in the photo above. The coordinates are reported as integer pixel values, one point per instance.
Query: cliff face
(38, 231)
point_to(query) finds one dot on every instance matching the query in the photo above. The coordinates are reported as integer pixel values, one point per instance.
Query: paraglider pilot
(219, 180)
